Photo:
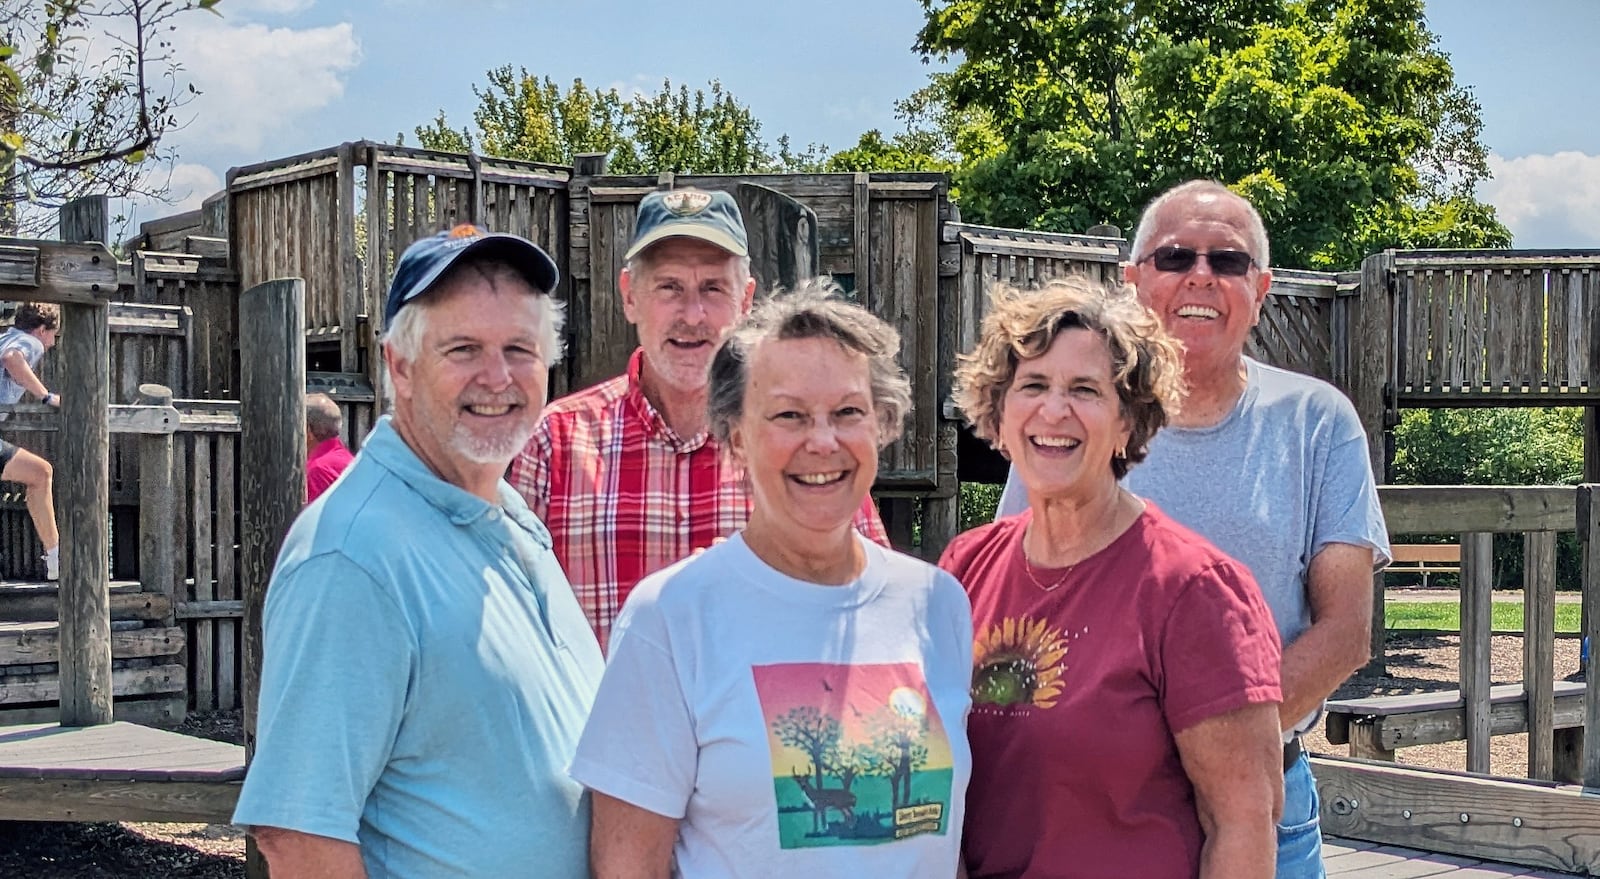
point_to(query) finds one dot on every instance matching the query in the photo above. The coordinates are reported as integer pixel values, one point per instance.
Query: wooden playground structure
(194, 495)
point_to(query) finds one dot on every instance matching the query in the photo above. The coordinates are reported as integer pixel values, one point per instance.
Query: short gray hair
(813, 310)
(405, 333)
(324, 421)
(1256, 231)
(642, 262)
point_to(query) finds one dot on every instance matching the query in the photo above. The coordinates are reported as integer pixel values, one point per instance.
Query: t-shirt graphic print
(859, 753)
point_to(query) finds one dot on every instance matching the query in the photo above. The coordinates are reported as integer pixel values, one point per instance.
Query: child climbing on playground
(33, 332)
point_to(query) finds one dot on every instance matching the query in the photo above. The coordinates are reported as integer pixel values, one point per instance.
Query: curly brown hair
(1146, 362)
(31, 316)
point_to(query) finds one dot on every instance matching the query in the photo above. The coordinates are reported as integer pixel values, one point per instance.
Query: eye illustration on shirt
(1018, 662)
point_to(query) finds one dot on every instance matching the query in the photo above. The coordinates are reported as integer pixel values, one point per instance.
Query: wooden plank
(82, 491)
(1477, 614)
(1538, 649)
(272, 487)
(157, 496)
(1537, 824)
(66, 799)
(1446, 553)
(160, 711)
(49, 271)
(210, 610)
(1437, 340)
(1589, 537)
(46, 686)
(203, 670)
(1445, 721)
(19, 645)
(227, 575)
(1418, 509)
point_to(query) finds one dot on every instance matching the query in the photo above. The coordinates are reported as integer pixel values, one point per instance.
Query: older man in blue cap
(426, 670)
(625, 473)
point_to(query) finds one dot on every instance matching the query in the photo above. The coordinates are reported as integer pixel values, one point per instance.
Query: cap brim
(530, 261)
(686, 230)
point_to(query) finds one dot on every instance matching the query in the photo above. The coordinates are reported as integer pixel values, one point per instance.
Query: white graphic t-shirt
(796, 730)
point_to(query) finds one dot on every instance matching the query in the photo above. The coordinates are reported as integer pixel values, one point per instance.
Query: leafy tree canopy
(1340, 119)
(79, 119)
(704, 131)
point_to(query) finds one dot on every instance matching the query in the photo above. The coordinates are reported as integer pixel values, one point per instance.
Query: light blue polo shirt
(427, 672)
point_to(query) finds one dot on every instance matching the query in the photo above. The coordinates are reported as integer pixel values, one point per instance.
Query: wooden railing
(1476, 513)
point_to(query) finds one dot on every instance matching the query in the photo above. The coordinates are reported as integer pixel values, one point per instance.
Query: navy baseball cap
(712, 217)
(428, 258)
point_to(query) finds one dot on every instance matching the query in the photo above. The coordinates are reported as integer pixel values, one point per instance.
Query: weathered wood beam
(44, 645)
(69, 799)
(273, 441)
(1539, 824)
(42, 605)
(210, 610)
(50, 271)
(47, 686)
(1455, 509)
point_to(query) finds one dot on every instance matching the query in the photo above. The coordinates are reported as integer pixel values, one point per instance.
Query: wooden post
(1589, 538)
(83, 510)
(1539, 648)
(273, 483)
(158, 503)
(85, 219)
(1371, 374)
(1477, 613)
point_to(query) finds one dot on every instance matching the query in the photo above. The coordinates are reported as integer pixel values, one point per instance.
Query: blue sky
(287, 76)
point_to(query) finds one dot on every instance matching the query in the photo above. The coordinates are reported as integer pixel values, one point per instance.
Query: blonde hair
(1146, 362)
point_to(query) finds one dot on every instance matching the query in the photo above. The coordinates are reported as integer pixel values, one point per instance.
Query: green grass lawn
(1446, 616)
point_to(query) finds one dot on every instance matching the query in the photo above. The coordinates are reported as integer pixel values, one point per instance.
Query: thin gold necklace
(1027, 567)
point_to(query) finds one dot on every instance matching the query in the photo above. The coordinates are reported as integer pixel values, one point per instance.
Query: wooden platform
(1354, 859)
(116, 772)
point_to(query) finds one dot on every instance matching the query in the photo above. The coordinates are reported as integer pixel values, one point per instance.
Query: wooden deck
(1355, 859)
(116, 772)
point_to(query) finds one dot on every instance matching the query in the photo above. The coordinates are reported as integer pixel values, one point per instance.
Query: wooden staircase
(148, 676)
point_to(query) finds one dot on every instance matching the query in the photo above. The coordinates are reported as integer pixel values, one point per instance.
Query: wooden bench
(1375, 727)
(1425, 559)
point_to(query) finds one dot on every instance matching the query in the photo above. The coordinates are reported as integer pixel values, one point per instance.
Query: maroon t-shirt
(1079, 688)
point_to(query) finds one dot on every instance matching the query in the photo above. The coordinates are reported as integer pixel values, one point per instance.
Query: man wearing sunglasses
(1269, 465)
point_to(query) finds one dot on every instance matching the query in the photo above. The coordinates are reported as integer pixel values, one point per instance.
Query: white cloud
(234, 8)
(255, 80)
(1547, 201)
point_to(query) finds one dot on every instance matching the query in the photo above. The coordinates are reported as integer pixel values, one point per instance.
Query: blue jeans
(1300, 831)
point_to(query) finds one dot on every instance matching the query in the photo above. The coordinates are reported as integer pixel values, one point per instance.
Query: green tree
(1340, 119)
(813, 732)
(704, 131)
(1531, 446)
(78, 120)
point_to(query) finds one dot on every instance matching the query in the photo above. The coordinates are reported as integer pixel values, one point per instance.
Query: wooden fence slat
(225, 485)
(1477, 616)
(1539, 649)
(204, 671)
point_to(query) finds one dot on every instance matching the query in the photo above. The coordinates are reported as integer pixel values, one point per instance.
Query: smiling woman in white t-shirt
(791, 702)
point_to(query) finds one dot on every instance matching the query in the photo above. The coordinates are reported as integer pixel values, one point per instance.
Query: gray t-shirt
(31, 348)
(1285, 474)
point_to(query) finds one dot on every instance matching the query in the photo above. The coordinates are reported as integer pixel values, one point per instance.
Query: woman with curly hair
(1125, 672)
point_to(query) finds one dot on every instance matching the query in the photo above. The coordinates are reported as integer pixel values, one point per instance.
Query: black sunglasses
(1234, 263)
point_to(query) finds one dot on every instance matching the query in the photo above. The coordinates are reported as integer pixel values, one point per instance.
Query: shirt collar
(652, 421)
(325, 447)
(385, 447)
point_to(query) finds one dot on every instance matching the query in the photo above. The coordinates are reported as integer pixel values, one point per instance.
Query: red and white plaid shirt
(624, 496)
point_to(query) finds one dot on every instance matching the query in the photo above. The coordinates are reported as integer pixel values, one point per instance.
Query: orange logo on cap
(465, 230)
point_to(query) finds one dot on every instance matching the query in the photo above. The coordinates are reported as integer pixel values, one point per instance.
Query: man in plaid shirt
(625, 473)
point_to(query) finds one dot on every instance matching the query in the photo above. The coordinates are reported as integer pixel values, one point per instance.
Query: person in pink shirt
(327, 455)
